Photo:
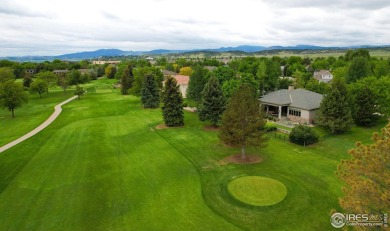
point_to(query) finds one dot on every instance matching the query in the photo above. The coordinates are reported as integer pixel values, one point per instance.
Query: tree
(27, 80)
(284, 83)
(110, 71)
(150, 96)
(268, 76)
(39, 86)
(79, 91)
(367, 176)
(12, 96)
(335, 109)
(127, 80)
(359, 68)
(6, 74)
(47, 76)
(243, 121)
(173, 104)
(213, 102)
(365, 107)
(185, 71)
(63, 81)
(196, 84)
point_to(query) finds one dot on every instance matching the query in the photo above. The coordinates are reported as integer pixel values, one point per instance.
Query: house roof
(166, 72)
(298, 98)
(182, 79)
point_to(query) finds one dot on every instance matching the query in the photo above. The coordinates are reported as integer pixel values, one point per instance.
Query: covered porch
(277, 111)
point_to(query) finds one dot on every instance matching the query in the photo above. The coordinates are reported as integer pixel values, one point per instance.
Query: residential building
(295, 105)
(323, 76)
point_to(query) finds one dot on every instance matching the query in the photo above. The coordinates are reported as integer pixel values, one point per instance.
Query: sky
(53, 27)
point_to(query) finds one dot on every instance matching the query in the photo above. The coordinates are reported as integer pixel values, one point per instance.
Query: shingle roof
(298, 98)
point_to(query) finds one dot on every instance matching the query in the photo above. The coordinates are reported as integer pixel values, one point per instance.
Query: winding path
(56, 113)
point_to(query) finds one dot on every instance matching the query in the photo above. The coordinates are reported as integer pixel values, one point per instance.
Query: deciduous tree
(127, 80)
(79, 91)
(12, 96)
(243, 121)
(39, 86)
(110, 71)
(367, 176)
(213, 102)
(173, 104)
(6, 73)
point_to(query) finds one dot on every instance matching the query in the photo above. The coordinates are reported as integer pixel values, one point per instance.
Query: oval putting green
(257, 190)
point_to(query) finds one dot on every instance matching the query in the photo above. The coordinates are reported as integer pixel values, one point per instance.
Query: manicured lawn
(102, 165)
(30, 115)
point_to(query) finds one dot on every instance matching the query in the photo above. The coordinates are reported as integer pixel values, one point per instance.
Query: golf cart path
(56, 113)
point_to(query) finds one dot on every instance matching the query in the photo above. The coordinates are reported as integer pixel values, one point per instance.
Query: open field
(103, 165)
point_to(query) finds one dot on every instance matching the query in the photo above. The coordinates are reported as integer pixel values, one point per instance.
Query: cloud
(57, 27)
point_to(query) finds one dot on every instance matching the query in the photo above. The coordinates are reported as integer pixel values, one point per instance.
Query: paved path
(57, 111)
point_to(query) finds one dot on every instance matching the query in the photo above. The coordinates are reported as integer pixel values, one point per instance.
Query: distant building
(323, 76)
(102, 62)
(297, 105)
(182, 82)
(60, 72)
(30, 71)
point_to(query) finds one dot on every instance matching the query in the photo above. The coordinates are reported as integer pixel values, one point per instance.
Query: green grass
(102, 165)
(29, 115)
(257, 190)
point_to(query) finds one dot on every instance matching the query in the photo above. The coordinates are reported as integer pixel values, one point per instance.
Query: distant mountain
(117, 52)
(94, 54)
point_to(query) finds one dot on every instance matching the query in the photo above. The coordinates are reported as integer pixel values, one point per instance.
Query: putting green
(257, 190)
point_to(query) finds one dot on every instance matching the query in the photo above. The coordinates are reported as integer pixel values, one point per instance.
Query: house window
(294, 112)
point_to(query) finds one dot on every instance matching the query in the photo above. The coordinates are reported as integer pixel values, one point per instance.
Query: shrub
(303, 135)
(270, 128)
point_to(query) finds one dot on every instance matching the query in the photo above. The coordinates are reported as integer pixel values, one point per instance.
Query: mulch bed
(211, 128)
(236, 159)
(161, 126)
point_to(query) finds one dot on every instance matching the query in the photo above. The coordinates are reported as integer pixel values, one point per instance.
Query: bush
(270, 128)
(303, 135)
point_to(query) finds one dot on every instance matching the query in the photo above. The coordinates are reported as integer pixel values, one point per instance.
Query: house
(182, 82)
(323, 76)
(30, 71)
(60, 72)
(100, 62)
(296, 105)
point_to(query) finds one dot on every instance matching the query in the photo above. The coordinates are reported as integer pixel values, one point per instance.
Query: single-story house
(60, 72)
(323, 76)
(298, 105)
(102, 62)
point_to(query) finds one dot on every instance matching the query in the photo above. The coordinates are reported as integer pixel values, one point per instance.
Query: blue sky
(53, 27)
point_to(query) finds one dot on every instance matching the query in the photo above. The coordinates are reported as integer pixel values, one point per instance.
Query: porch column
(267, 109)
(280, 112)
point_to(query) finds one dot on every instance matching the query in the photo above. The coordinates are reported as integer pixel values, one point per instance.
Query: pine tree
(196, 84)
(365, 107)
(335, 109)
(213, 102)
(127, 80)
(173, 104)
(150, 96)
(367, 176)
(243, 121)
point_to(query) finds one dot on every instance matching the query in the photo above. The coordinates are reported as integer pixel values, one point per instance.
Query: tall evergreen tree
(150, 96)
(196, 84)
(335, 109)
(359, 68)
(243, 120)
(367, 177)
(173, 104)
(127, 80)
(213, 102)
(365, 107)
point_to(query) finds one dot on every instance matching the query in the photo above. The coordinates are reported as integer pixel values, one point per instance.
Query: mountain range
(116, 52)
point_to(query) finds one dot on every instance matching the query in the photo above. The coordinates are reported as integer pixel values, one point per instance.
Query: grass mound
(257, 190)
